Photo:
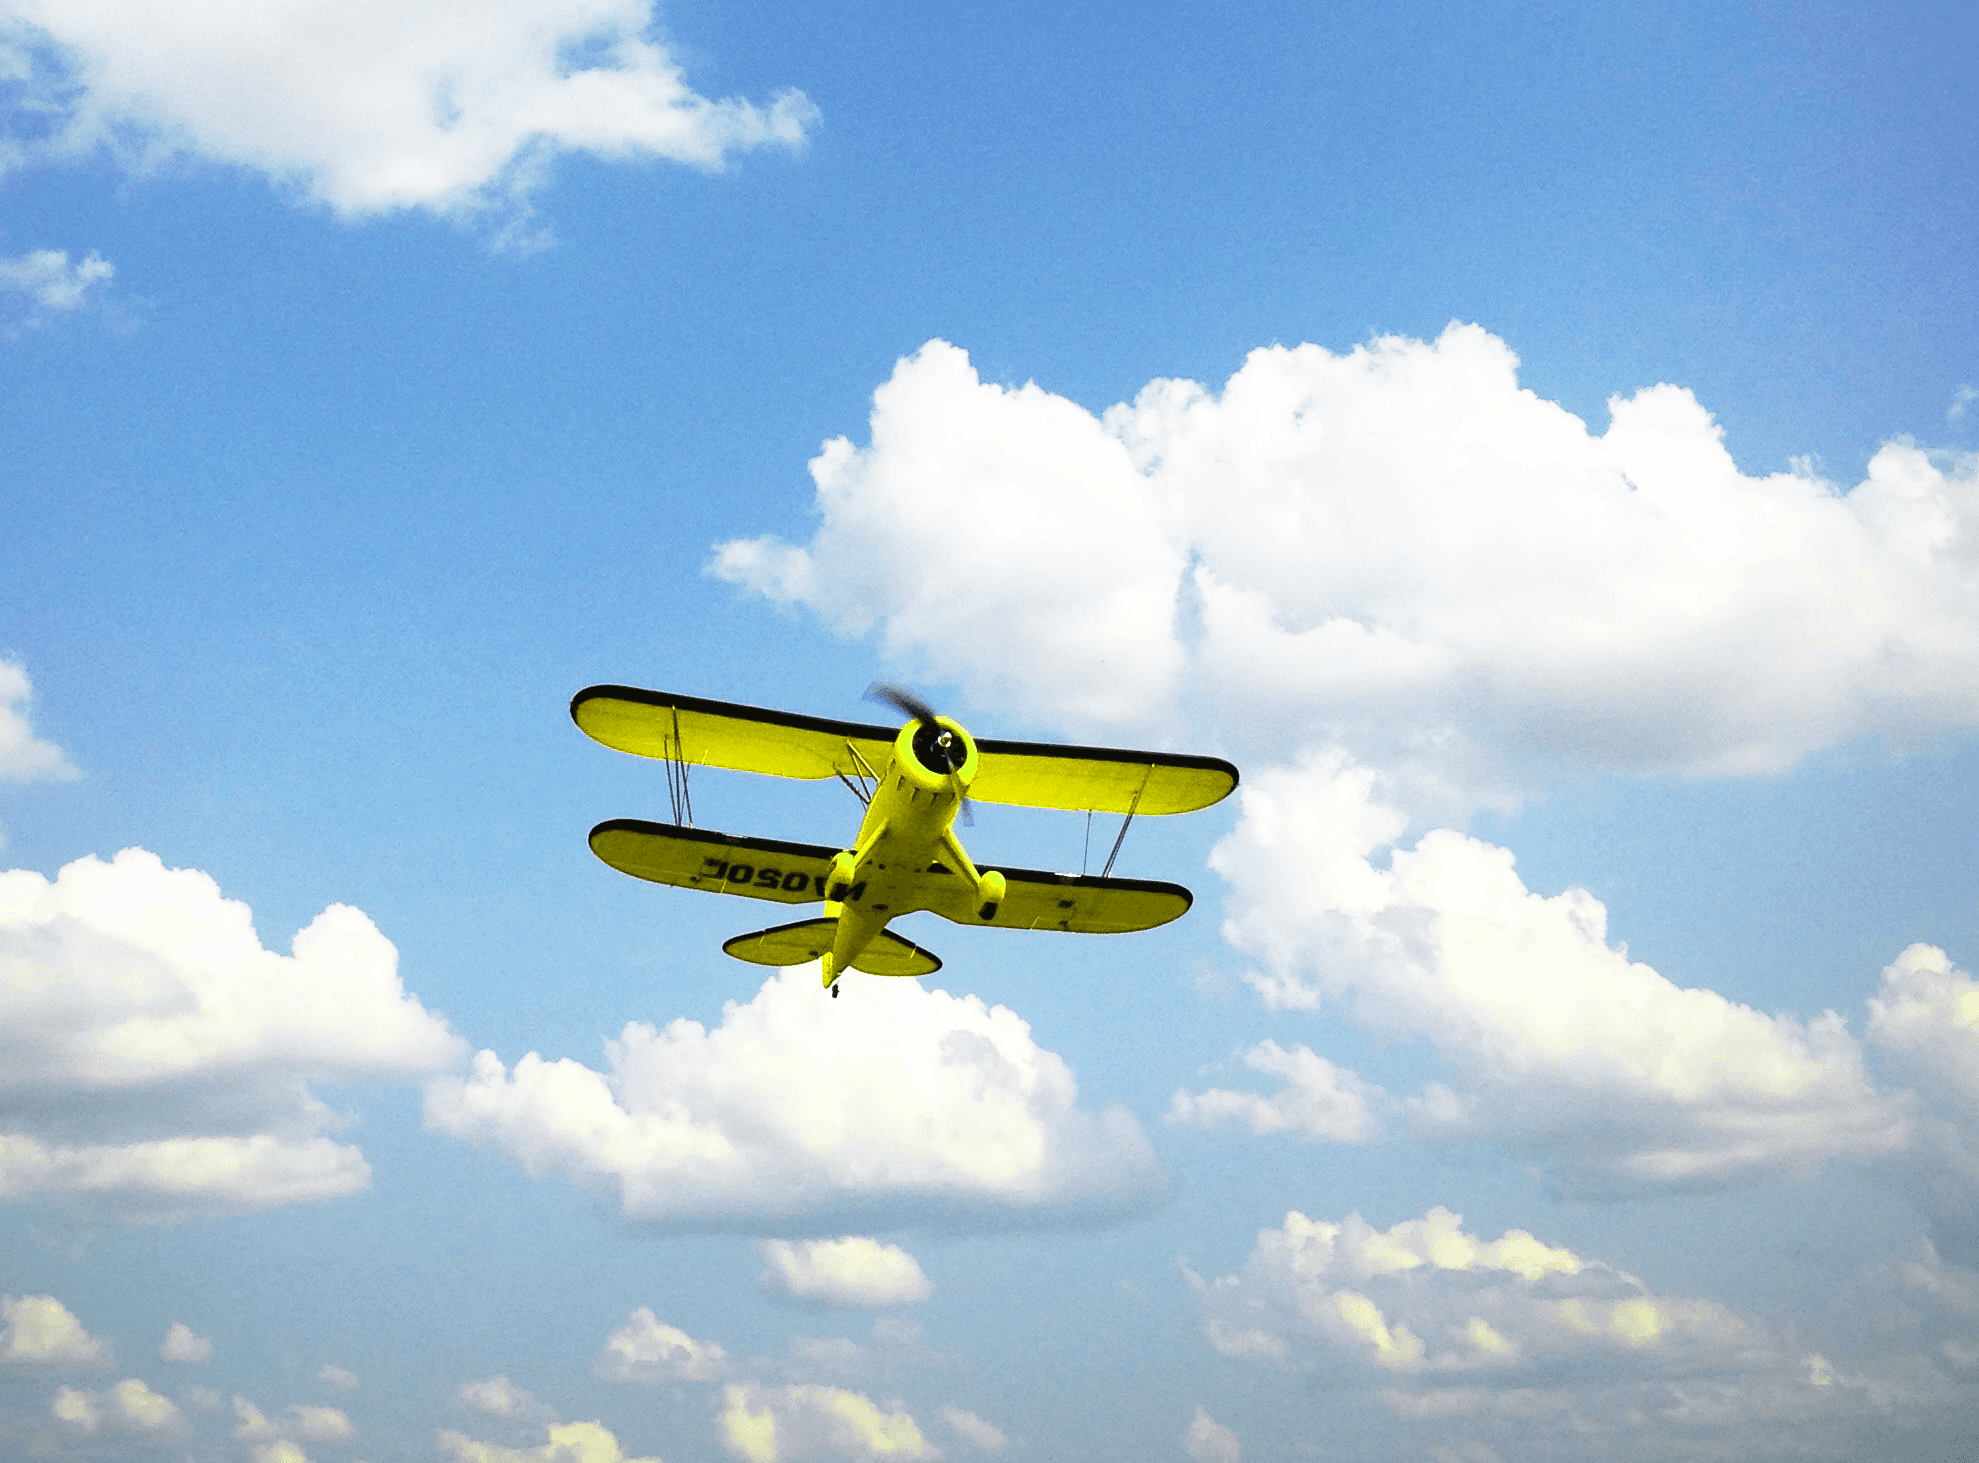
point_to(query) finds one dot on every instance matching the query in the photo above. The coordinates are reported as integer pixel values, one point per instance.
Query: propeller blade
(903, 701)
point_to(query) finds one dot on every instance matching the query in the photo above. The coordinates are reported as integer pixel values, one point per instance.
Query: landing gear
(992, 889)
(838, 882)
(834, 990)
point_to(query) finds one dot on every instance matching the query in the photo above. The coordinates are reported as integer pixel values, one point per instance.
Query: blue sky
(1537, 445)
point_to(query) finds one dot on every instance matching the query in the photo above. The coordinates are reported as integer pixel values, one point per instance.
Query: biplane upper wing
(1098, 779)
(722, 734)
(1081, 903)
(725, 863)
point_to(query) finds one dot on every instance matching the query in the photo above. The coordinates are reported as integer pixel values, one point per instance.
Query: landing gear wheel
(992, 889)
(838, 882)
(834, 990)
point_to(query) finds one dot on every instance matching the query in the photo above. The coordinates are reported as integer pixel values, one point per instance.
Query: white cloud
(1926, 1016)
(1952, 1288)
(1209, 1441)
(568, 1442)
(1563, 1045)
(302, 1423)
(24, 757)
(41, 1331)
(1038, 482)
(130, 1406)
(984, 1437)
(1318, 1100)
(48, 284)
(1924, 1023)
(338, 1377)
(154, 1058)
(1424, 590)
(1961, 399)
(795, 1424)
(1426, 1299)
(181, 1344)
(369, 107)
(1401, 550)
(928, 1101)
(853, 1271)
(317, 1424)
(499, 1397)
(647, 1349)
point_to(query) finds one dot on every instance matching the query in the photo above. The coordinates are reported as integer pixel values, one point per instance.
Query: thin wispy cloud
(44, 283)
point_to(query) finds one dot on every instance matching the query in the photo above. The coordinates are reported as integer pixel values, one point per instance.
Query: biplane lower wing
(1079, 903)
(723, 863)
(738, 738)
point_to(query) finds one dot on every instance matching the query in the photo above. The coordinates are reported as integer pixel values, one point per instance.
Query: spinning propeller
(938, 747)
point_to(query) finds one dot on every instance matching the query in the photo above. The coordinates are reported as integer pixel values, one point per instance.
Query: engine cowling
(936, 756)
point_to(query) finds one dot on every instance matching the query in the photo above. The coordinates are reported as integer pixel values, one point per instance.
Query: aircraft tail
(811, 939)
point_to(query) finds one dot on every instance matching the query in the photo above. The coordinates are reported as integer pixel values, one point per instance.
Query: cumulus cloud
(499, 1397)
(1562, 1044)
(983, 1436)
(1097, 631)
(1400, 587)
(24, 757)
(567, 1442)
(1435, 1322)
(40, 1331)
(1209, 1441)
(1926, 1017)
(1924, 1023)
(374, 107)
(154, 1058)
(300, 1424)
(799, 1423)
(1426, 1295)
(930, 1102)
(130, 1406)
(181, 1344)
(1400, 550)
(853, 1271)
(341, 1378)
(1318, 1100)
(647, 1349)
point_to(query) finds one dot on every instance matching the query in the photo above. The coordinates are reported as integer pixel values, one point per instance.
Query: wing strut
(1125, 823)
(865, 771)
(676, 765)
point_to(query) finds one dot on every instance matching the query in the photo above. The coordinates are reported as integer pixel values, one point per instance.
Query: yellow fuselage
(909, 824)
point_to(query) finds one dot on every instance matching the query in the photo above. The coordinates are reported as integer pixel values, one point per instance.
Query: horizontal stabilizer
(796, 944)
(809, 939)
(723, 863)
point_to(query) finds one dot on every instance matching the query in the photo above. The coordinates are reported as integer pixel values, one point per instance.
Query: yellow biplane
(906, 857)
